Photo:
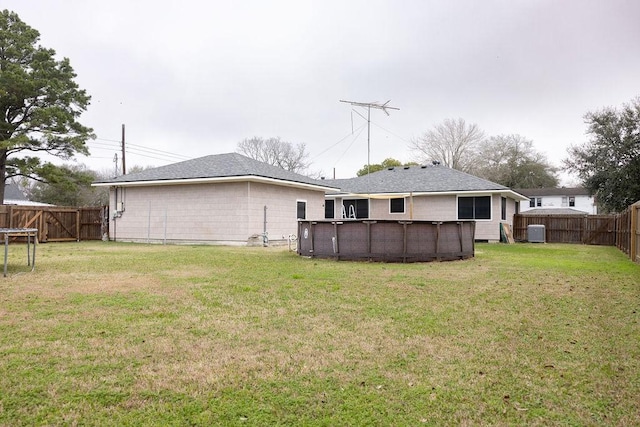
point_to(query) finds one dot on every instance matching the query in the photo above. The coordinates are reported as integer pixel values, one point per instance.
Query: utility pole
(369, 105)
(124, 167)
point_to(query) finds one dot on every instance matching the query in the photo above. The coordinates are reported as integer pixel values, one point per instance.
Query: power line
(137, 149)
(104, 139)
(118, 144)
(154, 150)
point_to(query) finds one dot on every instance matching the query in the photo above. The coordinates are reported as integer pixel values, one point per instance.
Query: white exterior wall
(281, 203)
(224, 213)
(441, 208)
(583, 203)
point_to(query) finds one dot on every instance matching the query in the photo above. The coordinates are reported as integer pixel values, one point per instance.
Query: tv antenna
(369, 105)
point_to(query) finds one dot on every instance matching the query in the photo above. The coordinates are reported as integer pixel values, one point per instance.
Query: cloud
(197, 77)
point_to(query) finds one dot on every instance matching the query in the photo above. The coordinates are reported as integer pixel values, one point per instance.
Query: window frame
(474, 206)
(302, 203)
(359, 206)
(332, 202)
(391, 207)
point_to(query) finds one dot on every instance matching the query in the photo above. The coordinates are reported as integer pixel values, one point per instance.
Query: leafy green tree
(512, 161)
(39, 105)
(608, 164)
(386, 163)
(70, 186)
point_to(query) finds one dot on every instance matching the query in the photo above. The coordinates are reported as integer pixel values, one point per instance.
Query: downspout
(115, 228)
(265, 238)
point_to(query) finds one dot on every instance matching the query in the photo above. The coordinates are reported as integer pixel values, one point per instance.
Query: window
(539, 201)
(532, 202)
(474, 207)
(355, 208)
(572, 201)
(329, 206)
(503, 208)
(302, 210)
(396, 205)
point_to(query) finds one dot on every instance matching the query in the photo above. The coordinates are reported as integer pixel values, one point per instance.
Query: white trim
(214, 180)
(14, 202)
(404, 206)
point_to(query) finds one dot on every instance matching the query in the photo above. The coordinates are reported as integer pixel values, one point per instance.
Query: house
(13, 195)
(224, 199)
(553, 200)
(427, 192)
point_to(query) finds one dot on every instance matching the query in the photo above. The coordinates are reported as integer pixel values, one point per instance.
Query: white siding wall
(228, 213)
(583, 203)
(281, 203)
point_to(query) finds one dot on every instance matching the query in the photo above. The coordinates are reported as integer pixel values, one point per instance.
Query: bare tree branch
(452, 143)
(276, 152)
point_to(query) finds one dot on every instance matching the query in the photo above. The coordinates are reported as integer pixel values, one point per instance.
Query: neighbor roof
(419, 179)
(554, 211)
(12, 192)
(14, 196)
(218, 167)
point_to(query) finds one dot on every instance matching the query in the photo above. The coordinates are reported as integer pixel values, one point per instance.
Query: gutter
(187, 181)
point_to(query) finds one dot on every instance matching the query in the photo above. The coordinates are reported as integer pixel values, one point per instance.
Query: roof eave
(511, 193)
(213, 180)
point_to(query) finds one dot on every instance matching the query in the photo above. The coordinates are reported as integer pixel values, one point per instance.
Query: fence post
(78, 217)
(633, 232)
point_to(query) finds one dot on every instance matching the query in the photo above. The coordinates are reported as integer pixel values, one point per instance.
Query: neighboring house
(225, 199)
(427, 192)
(14, 196)
(574, 198)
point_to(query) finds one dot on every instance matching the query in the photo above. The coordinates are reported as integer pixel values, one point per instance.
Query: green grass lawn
(127, 334)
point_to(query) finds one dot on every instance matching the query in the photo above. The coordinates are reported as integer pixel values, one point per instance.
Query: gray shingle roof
(216, 166)
(416, 179)
(554, 211)
(12, 192)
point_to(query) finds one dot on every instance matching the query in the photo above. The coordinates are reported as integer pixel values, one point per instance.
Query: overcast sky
(193, 78)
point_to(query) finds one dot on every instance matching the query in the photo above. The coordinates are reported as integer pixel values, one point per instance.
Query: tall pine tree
(40, 104)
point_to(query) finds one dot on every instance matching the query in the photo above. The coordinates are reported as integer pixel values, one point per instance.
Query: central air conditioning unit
(535, 233)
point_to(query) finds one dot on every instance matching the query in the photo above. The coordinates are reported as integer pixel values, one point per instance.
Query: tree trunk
(3, 174)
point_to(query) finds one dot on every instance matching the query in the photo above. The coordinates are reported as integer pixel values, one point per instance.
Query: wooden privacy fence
(58, 224)
(586, 229)
(621, 230)
(628, 232)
